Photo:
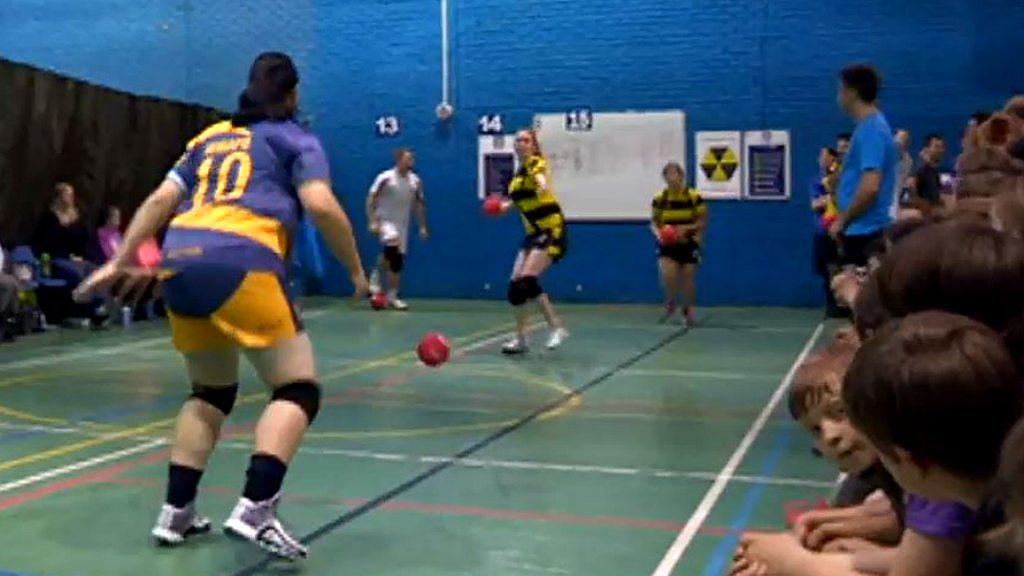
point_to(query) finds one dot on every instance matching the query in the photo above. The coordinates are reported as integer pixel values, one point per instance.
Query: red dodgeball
(434, 349)
(668, 235)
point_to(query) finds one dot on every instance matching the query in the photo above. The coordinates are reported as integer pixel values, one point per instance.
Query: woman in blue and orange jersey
(236, 197)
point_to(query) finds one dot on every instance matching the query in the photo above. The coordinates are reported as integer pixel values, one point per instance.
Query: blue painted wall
(731, 64)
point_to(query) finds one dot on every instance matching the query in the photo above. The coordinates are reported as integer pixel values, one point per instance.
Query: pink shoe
(670, 310)
(690, 316)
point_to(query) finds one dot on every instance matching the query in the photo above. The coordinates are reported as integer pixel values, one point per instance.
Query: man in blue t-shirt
(867, 184)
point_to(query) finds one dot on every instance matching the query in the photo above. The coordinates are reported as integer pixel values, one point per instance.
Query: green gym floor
(635, 450)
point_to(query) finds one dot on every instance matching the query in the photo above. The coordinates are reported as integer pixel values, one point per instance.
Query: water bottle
(45, 264)
(126, 317)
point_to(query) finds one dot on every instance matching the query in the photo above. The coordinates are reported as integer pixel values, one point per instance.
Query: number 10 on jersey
(233, 172)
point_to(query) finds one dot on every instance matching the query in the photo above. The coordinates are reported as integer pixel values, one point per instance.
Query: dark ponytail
(272, 80)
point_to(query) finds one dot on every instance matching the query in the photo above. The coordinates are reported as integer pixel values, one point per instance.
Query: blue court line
(723, 552)
(466, 452)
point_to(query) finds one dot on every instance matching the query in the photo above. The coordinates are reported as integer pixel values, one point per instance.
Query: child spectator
(109, 234)
(856, 536)
(937, 394)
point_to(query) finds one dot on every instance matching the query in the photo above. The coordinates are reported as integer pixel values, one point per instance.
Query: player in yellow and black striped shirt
(531, 192)
(684, 209)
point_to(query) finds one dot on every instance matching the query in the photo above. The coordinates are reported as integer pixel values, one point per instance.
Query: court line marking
(360, 366)
(435, 508)
(80, 355)
(82, 464)
(137, 431)
(128, 433)
(531, 465)
(93, 352)
(472, 448)
(749, 503)
(703, 510)
(46, 429)
(409, 354)
(650, 372)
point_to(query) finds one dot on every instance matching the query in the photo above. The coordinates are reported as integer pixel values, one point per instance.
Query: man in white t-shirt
(394, 196)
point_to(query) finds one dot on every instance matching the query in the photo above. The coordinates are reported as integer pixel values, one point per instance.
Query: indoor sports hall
(514, 287)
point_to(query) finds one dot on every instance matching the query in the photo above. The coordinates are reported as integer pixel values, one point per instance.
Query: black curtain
(112, 146)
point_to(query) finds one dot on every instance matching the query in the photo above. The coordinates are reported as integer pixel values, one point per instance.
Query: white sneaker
(516, 345)
(557, 336)
(397, 303)
(257, 522)
(174, 525)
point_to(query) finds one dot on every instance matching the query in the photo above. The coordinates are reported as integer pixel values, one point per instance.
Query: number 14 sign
(579, 120)
(491, 124)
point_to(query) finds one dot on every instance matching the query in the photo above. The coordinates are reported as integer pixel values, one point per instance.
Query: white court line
(651, 372)
(700, 515)
(111, 350)
(492, 340)
(51, 359)
(55, 472)
(153, 443)
(544, 466)
(480, 463)
(45, 429)
(694, 374)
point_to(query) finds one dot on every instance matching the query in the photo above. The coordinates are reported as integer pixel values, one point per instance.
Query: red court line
(108, 473)
(101, 475)
(456, 509)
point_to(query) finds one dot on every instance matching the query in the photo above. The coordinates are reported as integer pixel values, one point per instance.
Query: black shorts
(685, 252)
(546, 241)
(858, 250)
(826, 254)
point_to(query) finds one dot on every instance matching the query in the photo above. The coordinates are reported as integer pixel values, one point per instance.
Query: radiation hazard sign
(720, 173)
(720, 164)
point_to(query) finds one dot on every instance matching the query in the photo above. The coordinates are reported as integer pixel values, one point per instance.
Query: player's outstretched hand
(125, 284)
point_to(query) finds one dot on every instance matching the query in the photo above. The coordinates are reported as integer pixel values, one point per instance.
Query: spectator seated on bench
(33, 290)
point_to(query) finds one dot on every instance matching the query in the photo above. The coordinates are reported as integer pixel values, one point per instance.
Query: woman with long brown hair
(545, 244)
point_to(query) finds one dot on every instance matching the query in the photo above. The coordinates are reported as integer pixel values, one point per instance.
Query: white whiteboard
(614, 170)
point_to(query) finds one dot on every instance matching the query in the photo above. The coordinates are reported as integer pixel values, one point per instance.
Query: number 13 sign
(388, 126)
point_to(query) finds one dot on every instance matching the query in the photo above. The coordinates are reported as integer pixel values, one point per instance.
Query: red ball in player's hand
(434, 349)
(668, 235)
(379, 301)
(493, 205)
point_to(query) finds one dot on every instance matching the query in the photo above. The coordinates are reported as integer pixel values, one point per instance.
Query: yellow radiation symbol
(719, 164)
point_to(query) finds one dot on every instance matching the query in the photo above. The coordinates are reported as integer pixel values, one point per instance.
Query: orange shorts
(214, 307)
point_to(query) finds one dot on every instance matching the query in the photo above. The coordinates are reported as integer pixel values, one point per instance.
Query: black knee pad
(220, 397)
(522, 290)
(304, 393)
(395, 259)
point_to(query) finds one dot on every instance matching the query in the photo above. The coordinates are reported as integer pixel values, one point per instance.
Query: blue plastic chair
(24, 256)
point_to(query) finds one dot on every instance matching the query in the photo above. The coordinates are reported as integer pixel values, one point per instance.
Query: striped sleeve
(658, 207)
(700, 208)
